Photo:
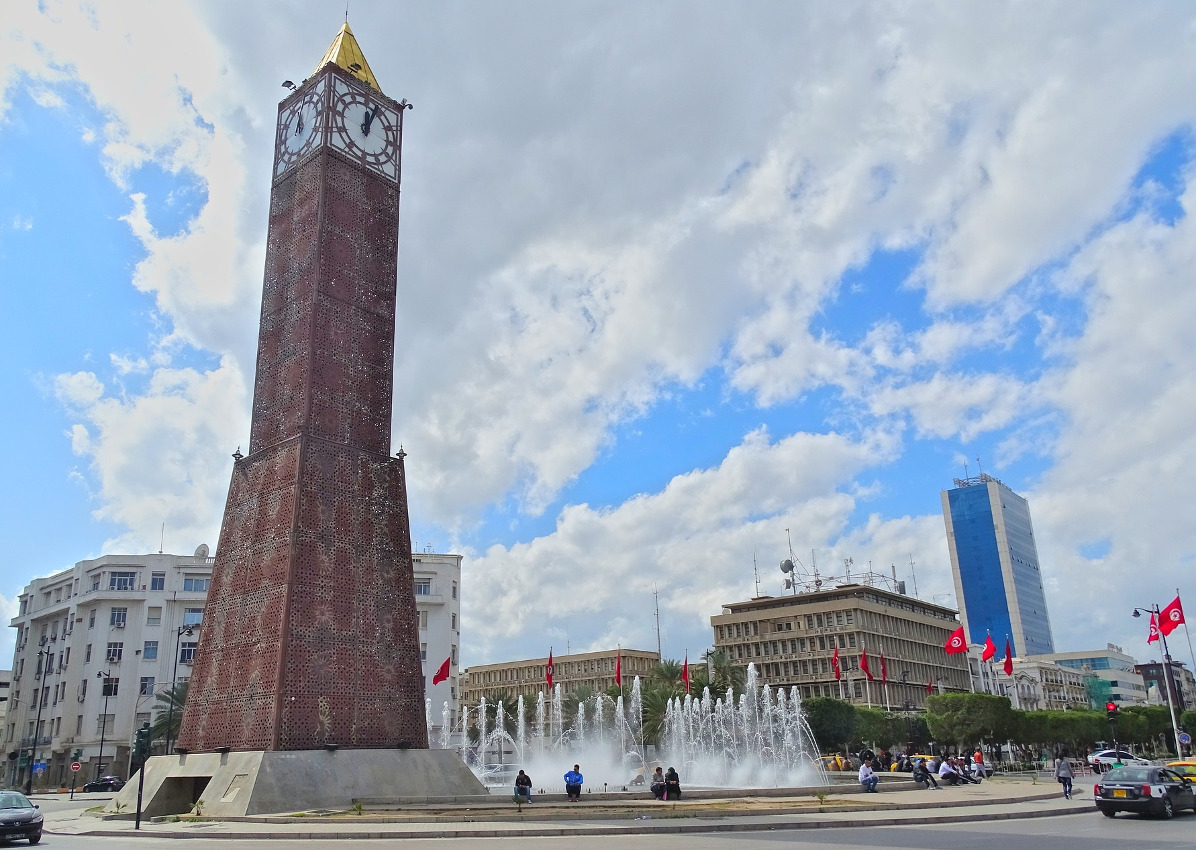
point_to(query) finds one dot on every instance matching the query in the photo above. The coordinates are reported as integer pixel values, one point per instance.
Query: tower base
(235, 784)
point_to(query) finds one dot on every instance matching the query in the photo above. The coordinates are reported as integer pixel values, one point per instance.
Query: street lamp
(1168, 677)
(182, 630)
(43, 670)
(106, 675)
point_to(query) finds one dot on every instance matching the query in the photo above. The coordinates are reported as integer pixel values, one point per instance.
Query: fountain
(758, 740)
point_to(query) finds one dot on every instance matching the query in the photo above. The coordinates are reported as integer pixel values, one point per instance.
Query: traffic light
(1112, 710)
(141, 744)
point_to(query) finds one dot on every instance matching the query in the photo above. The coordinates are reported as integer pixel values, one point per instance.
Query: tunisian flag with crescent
(865, 666)
(618, 674)
(550, 670)
(1008, 668)
(837, 665)
(1170, 617)
(989, 649)
(957, 642)
(1153, 629)
(687, 680)
(443, 672)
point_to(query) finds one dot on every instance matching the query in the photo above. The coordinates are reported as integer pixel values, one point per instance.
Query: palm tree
(725, 674)
(168, 706)
(667, 672)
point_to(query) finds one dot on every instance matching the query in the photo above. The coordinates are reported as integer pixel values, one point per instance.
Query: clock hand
(368, 119)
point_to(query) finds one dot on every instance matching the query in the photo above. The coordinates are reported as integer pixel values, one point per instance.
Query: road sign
(1185, 738)
(75, 767)
(40, 769)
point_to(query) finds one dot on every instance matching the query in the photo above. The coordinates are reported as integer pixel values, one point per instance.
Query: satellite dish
(202, 550)
(787, 566)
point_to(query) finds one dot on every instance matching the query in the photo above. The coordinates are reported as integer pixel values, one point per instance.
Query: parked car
(1107, 758)
(1185, 768)
(19, 818)
(1146, 790)
(105, 783)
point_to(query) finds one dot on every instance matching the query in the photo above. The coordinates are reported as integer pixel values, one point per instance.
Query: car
(105, 783)
(1145, 790)
(19, 818)
(1107, 758)
(1185, 768)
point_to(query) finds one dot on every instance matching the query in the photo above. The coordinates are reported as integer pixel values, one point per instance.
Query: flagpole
(1187, 632)
(887, 696)
(1169, 681)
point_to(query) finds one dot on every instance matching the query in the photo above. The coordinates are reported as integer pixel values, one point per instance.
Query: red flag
(1170, 617)
(1007, 658)
(687, 679)
(882, 667)
(1153, 629)
(929, 686)
(618, 668)
(989, 649)
(443, 672)
(550, 670)
(864, 666)
(957, 642)
(837, 665)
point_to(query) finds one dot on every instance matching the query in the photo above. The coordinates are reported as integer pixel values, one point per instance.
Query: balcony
(43, 741)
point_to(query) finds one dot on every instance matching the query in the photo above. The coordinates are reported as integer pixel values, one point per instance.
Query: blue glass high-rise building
(995, 563)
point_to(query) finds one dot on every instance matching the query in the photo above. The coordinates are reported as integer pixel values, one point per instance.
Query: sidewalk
(997, 799)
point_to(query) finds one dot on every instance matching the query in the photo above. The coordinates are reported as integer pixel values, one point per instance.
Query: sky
(684, 288)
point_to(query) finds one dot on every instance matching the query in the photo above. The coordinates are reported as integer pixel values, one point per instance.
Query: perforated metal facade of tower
(309, 636)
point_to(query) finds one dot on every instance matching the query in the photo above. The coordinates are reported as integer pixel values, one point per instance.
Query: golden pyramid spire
(347, 55)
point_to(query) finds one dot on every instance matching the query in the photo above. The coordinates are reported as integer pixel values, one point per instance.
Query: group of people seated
(951, 771)
(665, 787)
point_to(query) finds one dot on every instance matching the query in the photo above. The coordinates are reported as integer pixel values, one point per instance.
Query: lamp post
(179, 632)
(106, 675)
(1168, 678)
(43, 670)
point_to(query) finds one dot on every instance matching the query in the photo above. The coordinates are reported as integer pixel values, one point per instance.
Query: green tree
(726, 674)
(168, 712)
(873, 727)
(1187, 722)
(668, 672)
(964, 719)
(832, 722)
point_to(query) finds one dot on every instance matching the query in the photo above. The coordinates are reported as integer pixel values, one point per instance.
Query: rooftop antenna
(849, 562)
(966, 470)
(162, 533)
(755, 556)
(657, 625)
(347, 19)
(913, 569)
(980, 465)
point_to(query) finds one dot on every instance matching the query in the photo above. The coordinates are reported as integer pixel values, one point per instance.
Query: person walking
(867, 778)
(1065, 774)
(574, 781)
(523, 787)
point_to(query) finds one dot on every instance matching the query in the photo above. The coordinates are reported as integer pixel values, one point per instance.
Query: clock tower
(309, 639)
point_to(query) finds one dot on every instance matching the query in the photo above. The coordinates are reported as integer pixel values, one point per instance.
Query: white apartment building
(437, 588)
(1037, 685)
(1112, 665)
(96, 644)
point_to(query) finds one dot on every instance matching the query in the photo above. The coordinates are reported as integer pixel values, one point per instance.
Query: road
(1087, 829)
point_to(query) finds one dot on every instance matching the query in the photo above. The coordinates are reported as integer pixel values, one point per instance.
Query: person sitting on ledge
(574, 782)
(658, 784)
(523, 787)
(672, 789)
(867, 778)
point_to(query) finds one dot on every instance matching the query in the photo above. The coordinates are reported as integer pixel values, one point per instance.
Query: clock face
(366, 129)
(300, 125)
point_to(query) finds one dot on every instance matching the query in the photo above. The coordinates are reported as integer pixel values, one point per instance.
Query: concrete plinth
(250, 783)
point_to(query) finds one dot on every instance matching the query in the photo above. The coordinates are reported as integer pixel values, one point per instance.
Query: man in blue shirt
(574, 780)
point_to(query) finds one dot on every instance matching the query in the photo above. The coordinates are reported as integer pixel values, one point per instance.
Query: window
(115, 651)
(424, 649)
(79, 724)
(192, 584)
(423, 587)
(46, 696)
(849, 618)
(142, 718)
(154, 616)
(187, 652)
(453, 622)
(423, 619)
(453, 590)
(453, 654)
(146, 686)
(121, 580)
(838, 615)
(116, 617)
(83, 689)
(87, 654)
(92, 618)
(150, 650)
(104, 724)
(158, 581)
(96, 581)
(192, 616)
(111, 685)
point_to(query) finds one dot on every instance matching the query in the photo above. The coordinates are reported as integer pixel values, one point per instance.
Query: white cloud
(22, 222)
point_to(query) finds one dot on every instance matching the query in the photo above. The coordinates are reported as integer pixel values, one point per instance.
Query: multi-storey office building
(437, 586)
(994, 558)
(97, 644)
(594, 671)
(791, 640)
(1116, 671)
(1183, 690)
(1042, 685)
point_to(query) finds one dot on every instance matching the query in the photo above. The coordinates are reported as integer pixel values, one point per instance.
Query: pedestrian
(977, 764)
(867, 778)
(523, 787)
(574, 780)
(1065, 773)
(923, 777)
